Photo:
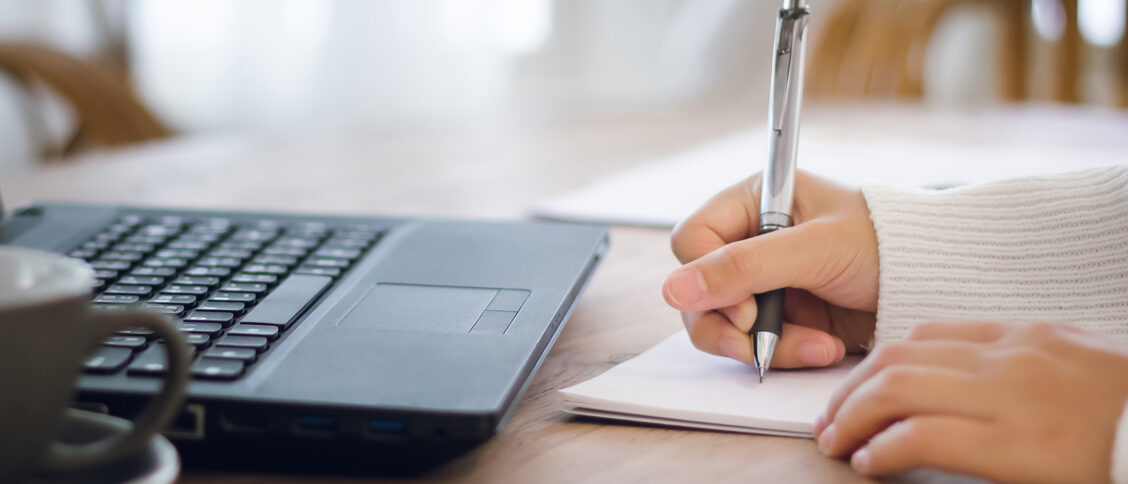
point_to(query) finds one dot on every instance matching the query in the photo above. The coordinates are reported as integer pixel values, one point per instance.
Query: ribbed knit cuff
(1049, 248)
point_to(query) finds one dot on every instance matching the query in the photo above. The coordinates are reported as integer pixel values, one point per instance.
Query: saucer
(156, 463)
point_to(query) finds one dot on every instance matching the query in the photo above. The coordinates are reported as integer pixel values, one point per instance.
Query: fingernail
(685, 286)
(732, 349)
(820, 423)
(860, 461)
(813, 354)
(825, 439)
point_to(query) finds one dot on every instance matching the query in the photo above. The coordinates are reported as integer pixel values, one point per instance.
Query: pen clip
(783, 66)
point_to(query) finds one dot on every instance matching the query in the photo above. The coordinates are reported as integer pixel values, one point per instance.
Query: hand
(829, 259)
(1024, 402)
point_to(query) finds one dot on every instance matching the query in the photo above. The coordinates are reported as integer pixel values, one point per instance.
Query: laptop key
(184, 299)
(205, 328)
(227, 307)
(188, 244)
(230, 353)
(142, 280)
(116, 299)
(96, 244)
(107, 360)
(152, 361)
(181, 289)
(287, 251)
(265, 330)
(129, 290)
(217, 369)
(240, 297)
(220, 262)
(208, 271)
(325, 262)
(175, 262)
(268, 279)
(282, 306)
(319, 271)
(266, 269)
(338, 253)
(197, 339)
(235, 253)
(131, 342)
(128, 247)
(241, 245)
(125, 256)
(257, 343)
(153, 271)
(284, 260)
(104, 274)
(197, 280)
(142, 332)
(199, 316)
(178, 253)
(172, 309)
(110, 265)
(244, 287)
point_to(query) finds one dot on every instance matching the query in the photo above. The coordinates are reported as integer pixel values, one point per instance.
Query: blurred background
(77, 75)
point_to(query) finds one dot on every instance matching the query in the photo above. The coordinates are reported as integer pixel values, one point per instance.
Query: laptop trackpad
(432, 309)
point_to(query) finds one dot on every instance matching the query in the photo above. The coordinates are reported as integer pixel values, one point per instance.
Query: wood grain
(491, 170)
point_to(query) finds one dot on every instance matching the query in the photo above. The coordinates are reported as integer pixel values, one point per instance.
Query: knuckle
(742, 262)
(1022, 360)
(892, 383)
(923, 330)
(679, 241)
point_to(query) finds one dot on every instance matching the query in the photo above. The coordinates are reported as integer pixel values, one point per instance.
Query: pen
(778, 188)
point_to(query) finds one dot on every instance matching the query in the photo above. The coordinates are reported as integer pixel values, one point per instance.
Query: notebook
(677, 385)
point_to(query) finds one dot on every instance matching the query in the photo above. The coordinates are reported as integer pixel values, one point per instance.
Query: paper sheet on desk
(665, 191)
(675, 384)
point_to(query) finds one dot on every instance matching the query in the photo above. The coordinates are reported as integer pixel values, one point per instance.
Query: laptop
(320, 335)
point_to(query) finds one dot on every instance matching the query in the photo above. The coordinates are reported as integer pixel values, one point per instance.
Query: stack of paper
(676, 384)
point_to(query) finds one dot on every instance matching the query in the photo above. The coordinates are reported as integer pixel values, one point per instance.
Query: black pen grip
(769, 312)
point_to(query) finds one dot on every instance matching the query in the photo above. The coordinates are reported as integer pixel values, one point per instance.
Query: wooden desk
(496, 171)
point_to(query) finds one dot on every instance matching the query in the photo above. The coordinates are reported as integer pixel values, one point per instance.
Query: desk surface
(495, 170)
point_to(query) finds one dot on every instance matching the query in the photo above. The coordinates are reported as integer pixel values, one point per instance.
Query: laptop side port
(315, 424)
(188, 425)
(385, 429)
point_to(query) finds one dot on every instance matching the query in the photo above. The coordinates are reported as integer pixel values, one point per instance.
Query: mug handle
(155, 416)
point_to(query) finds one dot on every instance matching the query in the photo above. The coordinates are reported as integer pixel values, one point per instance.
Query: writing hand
(829, 258)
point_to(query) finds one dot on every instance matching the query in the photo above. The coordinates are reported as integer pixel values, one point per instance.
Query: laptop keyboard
(235, 287)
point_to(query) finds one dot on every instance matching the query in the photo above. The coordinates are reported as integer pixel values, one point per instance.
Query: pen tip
(762, 372)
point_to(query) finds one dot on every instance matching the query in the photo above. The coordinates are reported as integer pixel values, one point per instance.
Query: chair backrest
(107, 110)
(875, 48)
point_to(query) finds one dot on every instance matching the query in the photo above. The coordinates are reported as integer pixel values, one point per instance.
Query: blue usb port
(317, 423)
(386, 426)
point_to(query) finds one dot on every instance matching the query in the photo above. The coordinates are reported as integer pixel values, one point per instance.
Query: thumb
(803, 347)
(793, 257)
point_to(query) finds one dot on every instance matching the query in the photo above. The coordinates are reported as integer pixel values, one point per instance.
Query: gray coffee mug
(47, 330)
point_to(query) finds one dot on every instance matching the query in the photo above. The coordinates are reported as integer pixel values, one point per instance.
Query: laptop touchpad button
(432, 309)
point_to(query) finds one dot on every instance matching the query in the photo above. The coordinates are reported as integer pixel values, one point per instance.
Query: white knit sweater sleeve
(1049, 248)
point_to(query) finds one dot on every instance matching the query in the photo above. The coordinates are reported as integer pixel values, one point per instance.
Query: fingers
(897, 393)
(713, 333)
(736, 271)
(729, 216)
(803, 347)
(931, 441)
(970, 331)
(954, 355)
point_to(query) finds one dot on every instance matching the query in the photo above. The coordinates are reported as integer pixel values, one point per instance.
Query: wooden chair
(107, 110)
(875, 48)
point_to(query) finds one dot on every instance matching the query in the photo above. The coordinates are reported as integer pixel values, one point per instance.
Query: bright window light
(1101, 21)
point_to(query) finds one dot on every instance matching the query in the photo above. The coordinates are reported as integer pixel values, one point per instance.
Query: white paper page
(676, 384)
(665, 191)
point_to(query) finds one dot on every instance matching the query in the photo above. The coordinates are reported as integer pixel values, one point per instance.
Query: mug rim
(58, 277)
